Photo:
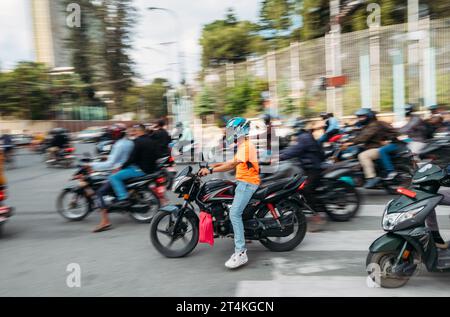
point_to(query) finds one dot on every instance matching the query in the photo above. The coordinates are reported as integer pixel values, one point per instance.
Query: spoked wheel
(145, 207)
(73, 206)
(380, 269)
(292, 215)
(341, 200)
(171, 240)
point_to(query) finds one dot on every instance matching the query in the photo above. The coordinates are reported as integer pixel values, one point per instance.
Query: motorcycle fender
(387, 243)
(176, 210)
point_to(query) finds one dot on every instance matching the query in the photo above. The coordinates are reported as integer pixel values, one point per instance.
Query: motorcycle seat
(142, 178)
(265, 189)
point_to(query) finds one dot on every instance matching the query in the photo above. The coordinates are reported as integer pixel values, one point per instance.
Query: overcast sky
(155, 27)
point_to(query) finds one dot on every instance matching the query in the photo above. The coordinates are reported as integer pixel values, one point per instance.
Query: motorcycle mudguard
(387, 243)
(176, 210)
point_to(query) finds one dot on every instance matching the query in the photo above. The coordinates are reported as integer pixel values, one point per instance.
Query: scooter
(395, 257)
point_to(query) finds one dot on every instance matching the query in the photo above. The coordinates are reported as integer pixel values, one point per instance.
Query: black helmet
(57, 131)
(179, 125)
(324, 115)
(365, 116)
(409, 109)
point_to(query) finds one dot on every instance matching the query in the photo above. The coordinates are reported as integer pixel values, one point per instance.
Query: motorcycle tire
(381, 261)
(163, 249)
(153, 203)
(338, 186)
(67, 215)
(299, 234)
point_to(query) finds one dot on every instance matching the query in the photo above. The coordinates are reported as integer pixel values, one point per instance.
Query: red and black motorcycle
(5, 211)
(273, 217)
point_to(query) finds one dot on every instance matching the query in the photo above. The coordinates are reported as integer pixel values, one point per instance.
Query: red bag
(206, 229)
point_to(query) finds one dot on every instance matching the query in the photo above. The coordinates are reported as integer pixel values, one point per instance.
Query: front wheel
(287, 210)
(172, 238)
(380, 267)
(73, 206)
(341, 200)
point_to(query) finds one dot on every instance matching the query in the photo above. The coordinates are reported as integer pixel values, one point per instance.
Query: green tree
(229, 40)
(275, 20)
(150, 98)
(316, 18)
(205, 103)
(118, 18)
(25, 92)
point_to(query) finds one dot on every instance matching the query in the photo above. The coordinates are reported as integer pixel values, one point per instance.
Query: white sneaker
(237, 260)
(391, 176)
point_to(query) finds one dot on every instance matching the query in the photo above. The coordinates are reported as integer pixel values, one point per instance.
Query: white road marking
(356, 240)
(378, 211)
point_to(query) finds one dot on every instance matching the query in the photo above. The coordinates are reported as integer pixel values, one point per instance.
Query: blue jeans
(117, 180)
(385, 156)
(243, 194)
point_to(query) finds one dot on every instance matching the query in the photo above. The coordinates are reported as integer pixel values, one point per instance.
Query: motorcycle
(63, 158)
(5, 211)
(395, 257)
(146, 193)
(339, 197)
(345, 164)
(272, 217)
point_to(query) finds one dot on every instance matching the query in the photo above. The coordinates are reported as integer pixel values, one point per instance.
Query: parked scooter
(395, 257)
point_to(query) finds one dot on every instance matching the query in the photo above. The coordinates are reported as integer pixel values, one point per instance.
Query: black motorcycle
(64, 157)
(76, 202)
(5, 211)
(272, 217)
(346, 166)
(395, 257)
(336, 193)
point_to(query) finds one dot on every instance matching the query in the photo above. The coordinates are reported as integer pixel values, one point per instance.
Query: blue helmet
(237, 128)
(365, 116)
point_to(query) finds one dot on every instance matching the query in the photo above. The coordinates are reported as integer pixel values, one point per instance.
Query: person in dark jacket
(142, 161)
(310, 156)
(374, 135)
(162, 138)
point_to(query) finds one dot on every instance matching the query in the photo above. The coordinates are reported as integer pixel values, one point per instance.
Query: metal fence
(298, 72)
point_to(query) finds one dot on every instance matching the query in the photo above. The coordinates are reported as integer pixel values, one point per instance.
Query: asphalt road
(38, 246)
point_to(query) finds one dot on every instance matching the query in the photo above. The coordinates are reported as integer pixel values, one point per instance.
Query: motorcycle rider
(142, 161)
(415, 129)
(7, 144)
(373, 136)
(120, 153)
(310, 156)
(162, 138)
(331, 127)
(59, 141)
(247, 176)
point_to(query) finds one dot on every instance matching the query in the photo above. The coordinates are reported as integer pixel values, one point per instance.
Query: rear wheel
(145, 206)
(380, 269)
(73, 206)
(340, 199)
(284, 244)
(174, 241)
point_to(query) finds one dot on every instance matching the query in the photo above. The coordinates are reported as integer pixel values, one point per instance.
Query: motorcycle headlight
(390, 221)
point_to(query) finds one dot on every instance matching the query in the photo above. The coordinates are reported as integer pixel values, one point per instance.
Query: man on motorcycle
(310, 156)
(331, 127)
(162, 138)
(59, 141)
(415, 129)
(374, 135)
(142, 161)
(120, 153)
(247, 176)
